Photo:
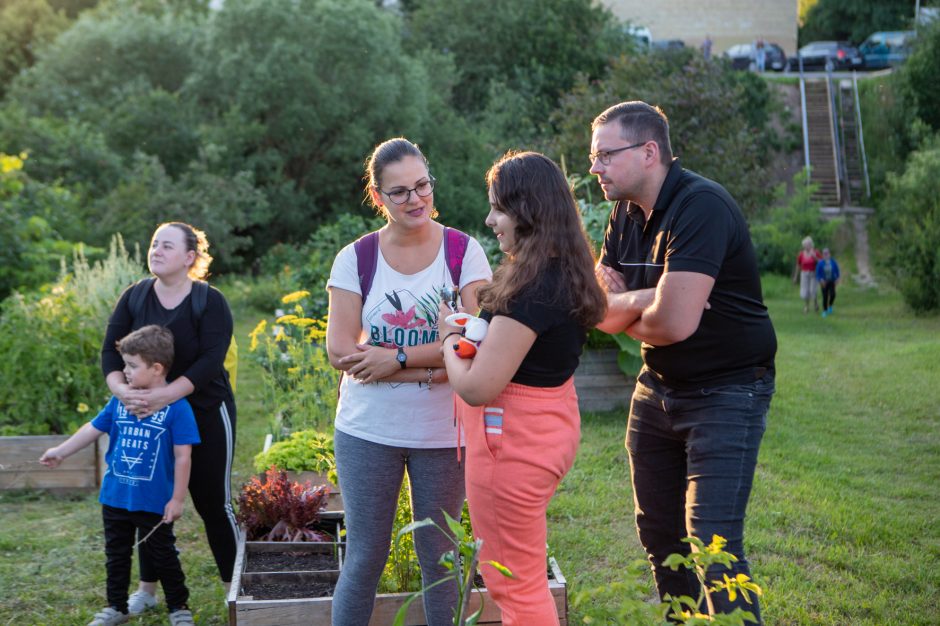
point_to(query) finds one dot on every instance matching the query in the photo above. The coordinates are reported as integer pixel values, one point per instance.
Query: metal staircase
(834, 146)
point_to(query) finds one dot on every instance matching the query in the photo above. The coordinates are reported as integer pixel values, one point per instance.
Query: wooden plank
(19, 456)
(299, 612)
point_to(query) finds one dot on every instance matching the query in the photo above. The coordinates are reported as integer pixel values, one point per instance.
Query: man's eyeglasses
(604, 155)
(401, 196)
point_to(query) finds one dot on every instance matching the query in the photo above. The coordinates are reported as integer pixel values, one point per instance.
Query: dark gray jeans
(370, 477)
(692, 459)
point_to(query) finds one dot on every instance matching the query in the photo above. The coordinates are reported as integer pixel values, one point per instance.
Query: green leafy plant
(702, 558)
(51, 341)
(461, 562)
(402, 571)
(630, 596)
(304, 451)
(280, 509)
(299, 382)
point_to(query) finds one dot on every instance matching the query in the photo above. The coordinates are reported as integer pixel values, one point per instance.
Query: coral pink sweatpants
(519, 447)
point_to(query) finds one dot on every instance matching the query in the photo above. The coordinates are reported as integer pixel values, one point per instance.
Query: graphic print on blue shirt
(140, 457)
(138, 446)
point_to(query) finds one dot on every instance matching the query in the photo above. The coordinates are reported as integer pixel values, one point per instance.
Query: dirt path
(859, 217)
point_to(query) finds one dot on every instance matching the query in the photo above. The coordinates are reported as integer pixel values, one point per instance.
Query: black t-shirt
(199, 347)
(554, 356)
(696, 226)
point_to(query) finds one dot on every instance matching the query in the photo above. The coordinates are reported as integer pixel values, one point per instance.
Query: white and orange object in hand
(474, 330)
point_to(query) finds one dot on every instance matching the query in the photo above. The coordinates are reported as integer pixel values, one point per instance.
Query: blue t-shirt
(140, 455)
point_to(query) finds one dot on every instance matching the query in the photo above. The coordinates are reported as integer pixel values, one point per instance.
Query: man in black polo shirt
(681, 277)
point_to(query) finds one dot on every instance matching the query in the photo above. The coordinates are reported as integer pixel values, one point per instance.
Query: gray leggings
(370, 477)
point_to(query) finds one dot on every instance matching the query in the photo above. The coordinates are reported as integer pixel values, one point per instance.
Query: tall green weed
(50, 378)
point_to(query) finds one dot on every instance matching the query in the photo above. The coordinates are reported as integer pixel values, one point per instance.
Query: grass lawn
(843, 526)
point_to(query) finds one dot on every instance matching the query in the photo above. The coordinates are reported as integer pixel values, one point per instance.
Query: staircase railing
(861, 134)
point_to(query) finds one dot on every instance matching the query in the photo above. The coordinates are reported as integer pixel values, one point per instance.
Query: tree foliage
(920, 76)
(717, 118)
(911, 224)
(25, 27)
(854, 20)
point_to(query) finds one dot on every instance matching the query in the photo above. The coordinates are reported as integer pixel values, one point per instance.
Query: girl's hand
(371, 363)
(443, 328)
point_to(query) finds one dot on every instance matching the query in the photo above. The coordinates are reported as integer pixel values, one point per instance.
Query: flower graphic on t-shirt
(401, 318)
(404, 319)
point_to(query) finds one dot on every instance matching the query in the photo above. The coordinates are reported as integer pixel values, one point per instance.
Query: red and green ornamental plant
(279, 509)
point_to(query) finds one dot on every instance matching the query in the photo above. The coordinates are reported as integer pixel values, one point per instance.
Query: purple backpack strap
(455, 248)
(367, 259)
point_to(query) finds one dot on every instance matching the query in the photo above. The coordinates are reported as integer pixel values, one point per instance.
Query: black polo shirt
(696, 226)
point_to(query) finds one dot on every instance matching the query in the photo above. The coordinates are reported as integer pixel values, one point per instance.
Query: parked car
(827, 55)
(668, 44)
(887, 49)
(744, 57)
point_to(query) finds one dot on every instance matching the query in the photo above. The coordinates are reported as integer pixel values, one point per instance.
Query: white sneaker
(108, 616)
(182, 617)
(141, 601)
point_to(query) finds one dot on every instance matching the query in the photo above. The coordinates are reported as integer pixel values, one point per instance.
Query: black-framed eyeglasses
(422, 189)
(604, 155)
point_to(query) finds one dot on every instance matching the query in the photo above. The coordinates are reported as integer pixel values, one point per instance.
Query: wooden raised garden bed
(19, 467)
(600, 384)
(257, 598)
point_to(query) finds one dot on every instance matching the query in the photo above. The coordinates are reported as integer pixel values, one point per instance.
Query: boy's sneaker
(108, 616)
(141, 601)
(182, 617)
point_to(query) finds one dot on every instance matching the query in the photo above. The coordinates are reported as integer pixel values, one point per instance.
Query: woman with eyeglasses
(517, 400)
(395, 410)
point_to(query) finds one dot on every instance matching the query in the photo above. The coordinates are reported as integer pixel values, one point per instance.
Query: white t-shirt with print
(401, 310)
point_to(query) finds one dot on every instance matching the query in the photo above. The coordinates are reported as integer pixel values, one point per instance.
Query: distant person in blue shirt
(147, 477)
(827, 275)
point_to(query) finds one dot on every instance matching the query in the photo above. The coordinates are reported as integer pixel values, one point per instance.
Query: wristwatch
(401, 357)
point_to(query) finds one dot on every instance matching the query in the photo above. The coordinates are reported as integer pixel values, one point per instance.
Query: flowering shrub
(51, 339)
(300, 386)
(279, 509)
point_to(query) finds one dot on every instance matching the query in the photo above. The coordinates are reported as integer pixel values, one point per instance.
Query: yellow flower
(11, 163)
(255, 334)
(82, 407)
(294, 297)
(280, 336)
(302, 322)
(285, 319)
(293, 370)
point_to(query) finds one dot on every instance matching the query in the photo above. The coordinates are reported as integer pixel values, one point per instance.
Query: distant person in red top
(806, 269)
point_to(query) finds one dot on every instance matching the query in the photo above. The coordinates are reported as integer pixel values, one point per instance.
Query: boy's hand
(51, 457)
(173, 511)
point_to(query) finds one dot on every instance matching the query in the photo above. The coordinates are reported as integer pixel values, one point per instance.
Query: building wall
(728, 22)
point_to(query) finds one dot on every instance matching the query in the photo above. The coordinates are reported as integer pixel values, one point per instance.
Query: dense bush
(50, 377)
(717, 118)
(778, 232)
(853, 20)
(25, 27)
(910, 221)
(919, 75)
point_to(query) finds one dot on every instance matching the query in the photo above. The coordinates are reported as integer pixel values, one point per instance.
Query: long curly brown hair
(532, 190)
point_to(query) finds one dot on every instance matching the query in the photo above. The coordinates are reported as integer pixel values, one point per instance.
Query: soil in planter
(291, 562)
(284, 590)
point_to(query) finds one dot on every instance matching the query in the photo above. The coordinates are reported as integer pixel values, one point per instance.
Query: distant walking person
(806, 271)
(681, 276)
(707, 47)
(827, 275)
(760, 54)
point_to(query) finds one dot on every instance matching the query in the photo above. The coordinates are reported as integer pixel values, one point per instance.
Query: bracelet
(453, 332)
(430, 376)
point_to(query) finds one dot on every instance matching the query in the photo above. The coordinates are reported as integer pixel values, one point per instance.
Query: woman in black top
(517, 400)
(202, 331)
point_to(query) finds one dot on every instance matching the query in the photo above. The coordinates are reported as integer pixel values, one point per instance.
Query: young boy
(147, 478)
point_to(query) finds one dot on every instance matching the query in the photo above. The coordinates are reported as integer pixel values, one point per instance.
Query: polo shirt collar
(670, 186)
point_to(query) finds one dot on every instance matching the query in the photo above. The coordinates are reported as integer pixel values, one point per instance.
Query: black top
(199, 346)
(554, 356)
(696, 226)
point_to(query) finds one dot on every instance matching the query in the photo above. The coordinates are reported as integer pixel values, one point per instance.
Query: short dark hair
(640, 121)
(153, 344)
